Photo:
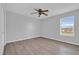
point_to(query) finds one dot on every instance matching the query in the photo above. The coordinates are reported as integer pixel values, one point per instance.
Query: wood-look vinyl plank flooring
(40, 46)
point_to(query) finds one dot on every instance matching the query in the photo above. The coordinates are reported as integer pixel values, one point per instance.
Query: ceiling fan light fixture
(40, 12)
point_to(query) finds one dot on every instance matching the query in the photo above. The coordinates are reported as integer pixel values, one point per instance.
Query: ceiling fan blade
(45, 11)
(36, 9)
(45, 14)
(34, 13)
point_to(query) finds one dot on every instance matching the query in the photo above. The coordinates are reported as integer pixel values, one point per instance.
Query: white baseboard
(61, 40)
(25, 38)
(35, 36)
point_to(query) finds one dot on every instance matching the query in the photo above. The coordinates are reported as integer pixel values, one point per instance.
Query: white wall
(51, 28)
(1, 30)
(20, 27)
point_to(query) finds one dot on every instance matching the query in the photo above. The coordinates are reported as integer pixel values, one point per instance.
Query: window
(67, 26)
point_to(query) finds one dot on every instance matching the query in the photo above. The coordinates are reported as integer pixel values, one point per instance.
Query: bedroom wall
(20, 27)
(1, 29)
(51, 28)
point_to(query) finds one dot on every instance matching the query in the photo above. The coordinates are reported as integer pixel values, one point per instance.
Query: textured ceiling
(54, 8)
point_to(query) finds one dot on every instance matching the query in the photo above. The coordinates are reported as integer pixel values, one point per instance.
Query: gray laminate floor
(40, 46)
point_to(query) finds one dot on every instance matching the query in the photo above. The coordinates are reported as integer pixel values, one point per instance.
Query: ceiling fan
(40, 12)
